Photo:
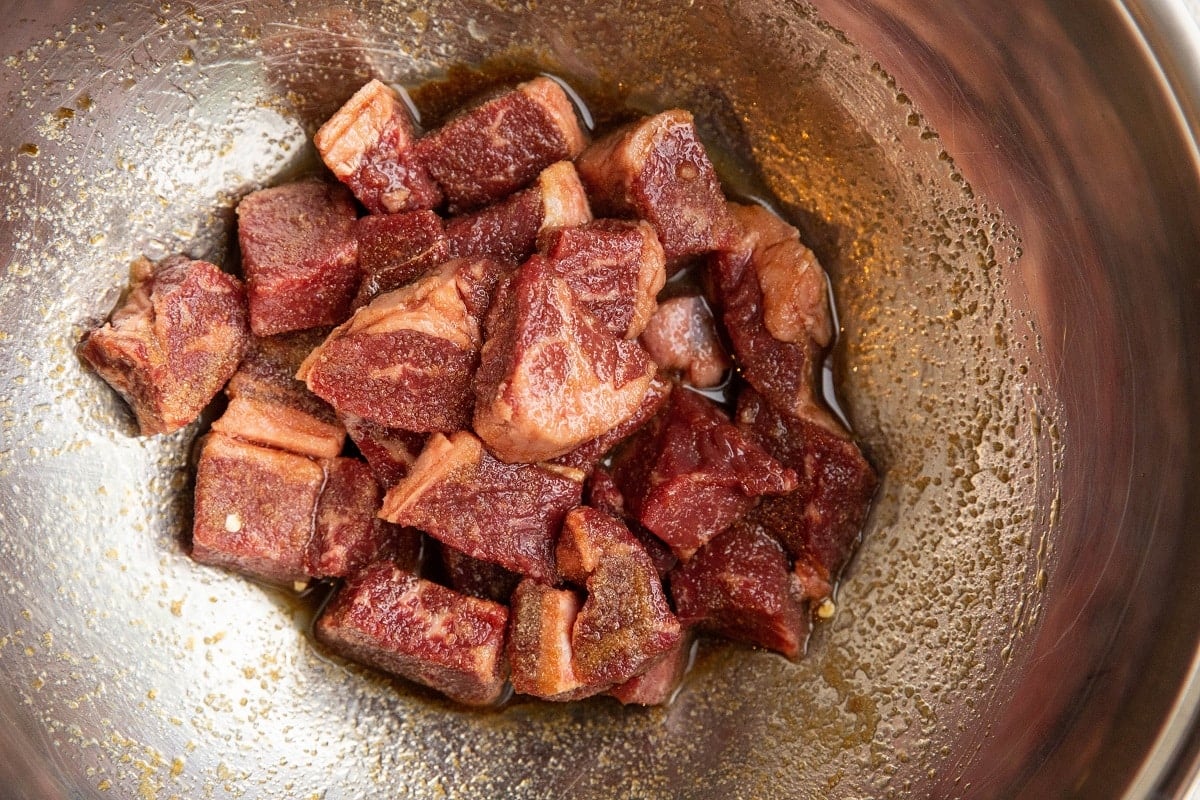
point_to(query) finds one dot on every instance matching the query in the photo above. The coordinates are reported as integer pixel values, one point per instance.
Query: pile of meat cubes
(533, 492)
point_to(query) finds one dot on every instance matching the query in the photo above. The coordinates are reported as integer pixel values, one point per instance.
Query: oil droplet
(28, 149)
(188, 57)
(85, 102)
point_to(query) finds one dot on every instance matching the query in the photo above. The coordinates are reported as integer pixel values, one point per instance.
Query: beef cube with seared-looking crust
(396, 249)
(819, 523)
(739, 586)
(407, 360)
(368, 145)
(616, 268)
(539, 642)
(388, 618)
(658, 684)
(498, 146)
(773, 300)
(690, 473)
(172, 345)
(348, 534)
(656, 169)
(550, 377)
(625, 624)
(509, 514)
(268, 406)
(254, 509)
(603, 494)
(475, 577)
(589, 454)
(682, 335)
(299, 255)
(390, 452)
(508, 229)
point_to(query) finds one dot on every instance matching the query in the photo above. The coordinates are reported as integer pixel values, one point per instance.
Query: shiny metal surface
(1007, 201)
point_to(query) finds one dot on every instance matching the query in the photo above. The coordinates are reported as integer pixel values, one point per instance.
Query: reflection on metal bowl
(1007, 201)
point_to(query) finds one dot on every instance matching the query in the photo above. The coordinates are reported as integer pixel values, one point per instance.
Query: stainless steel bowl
(1006, 196)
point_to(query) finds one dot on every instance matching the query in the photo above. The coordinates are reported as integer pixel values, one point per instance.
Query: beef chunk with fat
(590, 453)
(691, 473)
(396, 249)
(539, 642)
(491, 150)
(773, 300)
(348, 535)
(174, 343)
(369, 145)
(254, 509)
(392, 620)
(508, 514)
(475, 577)
(550, 376)
(603, 494)
(657, 685)
(625, 624)
(268, 406)
(299, 255)
(508, 229)
(740, 586)
(657, 169)
(390, 452)
(820, 521)
(616, 268)
(682, 335)
(407, 360)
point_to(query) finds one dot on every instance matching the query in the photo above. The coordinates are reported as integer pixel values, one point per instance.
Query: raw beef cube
(348, 534)
(268, 406)
(739, 586)
(392, 620)
(682, 335)
(603, 494)
(254, 509)
(509, 514)
(616, 268)
(368, 145)
(407, 360)
(508, 229)
(819, 523)
(390, 452)
(690, 473)
(658, 684)
(299, 255)
(774, 302)
(477, 578)
(589, 454)
(550, 377)
(656, 169)
(625, 624)
(539, 642)
(174, 342)
(396, 249)
(497, 147)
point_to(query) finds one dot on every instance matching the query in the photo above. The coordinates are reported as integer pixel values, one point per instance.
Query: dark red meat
(656, 169)
(268, 406)
(550, 377)
(625, 624)
(539, 642)
(682, 335)
(299, 255)
(690, 473)
(509, 514)
(774, 303)
(368, 145)
(508, 229)
(254, 509)
(407, 360)
(819, 523)
(170, 348)
(477, 578)
(497, 147)
(348, 535)
(616, 268)
(657, 685)
(390, 452)
(740, 586)
(392, 620)
(396, 249)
